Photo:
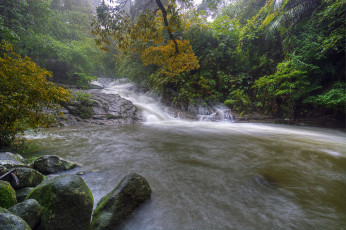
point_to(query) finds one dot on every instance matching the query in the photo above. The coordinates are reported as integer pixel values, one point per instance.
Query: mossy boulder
(10, 160)
(7, 195)
(49, 164)
(117, 205)
(29, 210)
(66, 203)
(22, 193)
(27, 177)
(9, 221)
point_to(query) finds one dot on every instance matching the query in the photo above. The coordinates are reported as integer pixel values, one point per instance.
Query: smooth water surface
(214, 175)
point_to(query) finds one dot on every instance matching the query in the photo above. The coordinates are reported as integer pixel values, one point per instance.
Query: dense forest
(283, 58)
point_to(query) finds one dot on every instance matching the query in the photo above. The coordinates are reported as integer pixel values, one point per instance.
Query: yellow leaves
(25, 92)
(171, 63)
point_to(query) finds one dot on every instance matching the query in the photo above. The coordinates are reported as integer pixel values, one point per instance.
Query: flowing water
(211, 175)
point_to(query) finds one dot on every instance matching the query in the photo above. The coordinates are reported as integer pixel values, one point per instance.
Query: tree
(27, 99)
(153, 33)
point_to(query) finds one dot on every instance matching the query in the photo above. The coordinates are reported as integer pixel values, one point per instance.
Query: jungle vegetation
(280, 57)
(284, 58)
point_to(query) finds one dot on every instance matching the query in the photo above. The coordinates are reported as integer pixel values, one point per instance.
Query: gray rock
(66, 201)
(27, 177)
(9, 221)
(29, 210)
(49, 164)
(7, 195)
(106, 109)
(4, 210)
(117, 205)
(22, 193)
(10, 160)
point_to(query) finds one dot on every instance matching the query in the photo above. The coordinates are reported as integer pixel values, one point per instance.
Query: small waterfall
(207, 113)
(154, 111)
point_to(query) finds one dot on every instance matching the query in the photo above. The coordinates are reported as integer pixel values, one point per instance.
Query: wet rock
(49, 164)
(117, 205)
(7, 195)
(22, 193)
(10, 160)
(27, 177)
(66, 201)
(4, 210)
(29, 210)
(105, 109)
(9, 221)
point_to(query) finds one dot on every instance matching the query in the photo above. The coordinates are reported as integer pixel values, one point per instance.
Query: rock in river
(49, 164)
(117, 205)
(27, 177)
(10, 160)
(101, 109)
(7, 195)
(8, 221)
(66, 201)
(29, 210)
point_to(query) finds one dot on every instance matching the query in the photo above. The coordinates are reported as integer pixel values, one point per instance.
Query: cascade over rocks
(117, 205)
(29, 210)
(48, 164)
(66, 201)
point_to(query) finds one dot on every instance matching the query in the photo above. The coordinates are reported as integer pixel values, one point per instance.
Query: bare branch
(164, 15)
(9, 172)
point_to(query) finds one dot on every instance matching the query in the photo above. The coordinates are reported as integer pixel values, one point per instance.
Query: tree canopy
(281, 57)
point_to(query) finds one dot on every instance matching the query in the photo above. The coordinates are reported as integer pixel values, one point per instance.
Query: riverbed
(212, 175)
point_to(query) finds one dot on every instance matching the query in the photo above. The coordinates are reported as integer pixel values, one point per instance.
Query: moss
(7, 195)
(69, 165)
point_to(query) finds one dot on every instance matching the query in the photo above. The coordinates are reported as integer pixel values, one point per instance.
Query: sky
(197, 1)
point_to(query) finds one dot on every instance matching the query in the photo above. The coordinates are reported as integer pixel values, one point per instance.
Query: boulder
(4, 210)
(66, 203)
(117, 205)
(10, 160)
(49, 164)
(9, 221)
(103, 109)
(27, 177)
(22, 193)
(7, 195)
(29, 210)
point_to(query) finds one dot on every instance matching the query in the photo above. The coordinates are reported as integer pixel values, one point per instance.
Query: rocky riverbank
(92, 108)
(31, 200)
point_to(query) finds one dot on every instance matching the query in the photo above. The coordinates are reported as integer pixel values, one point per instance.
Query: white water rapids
(211, 175)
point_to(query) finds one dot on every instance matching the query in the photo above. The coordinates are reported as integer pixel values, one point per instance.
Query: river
(211, 175)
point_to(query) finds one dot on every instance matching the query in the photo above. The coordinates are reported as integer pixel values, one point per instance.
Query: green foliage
(332, 99)
(56, 34)
(282, 89)
(84, 105)
(83, 80)
(25, 95)
(269, 56)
